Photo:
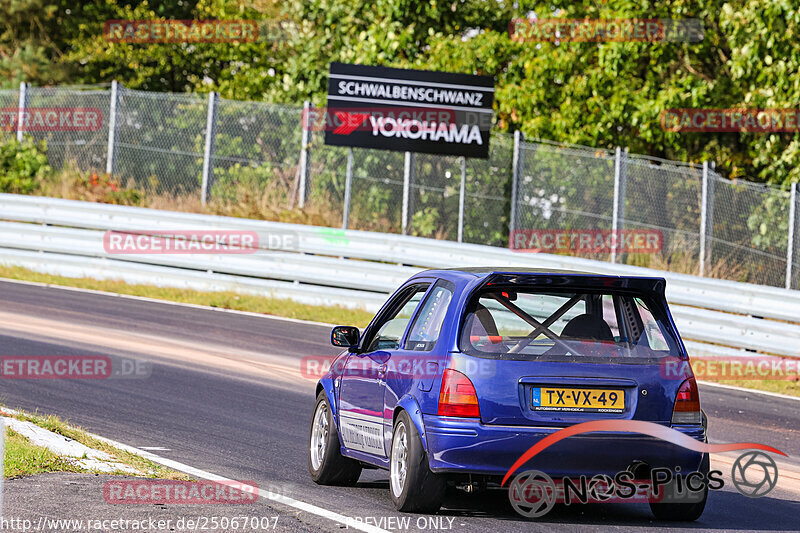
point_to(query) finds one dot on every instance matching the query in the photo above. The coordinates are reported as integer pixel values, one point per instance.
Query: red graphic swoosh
(635, 426)
(350, 122)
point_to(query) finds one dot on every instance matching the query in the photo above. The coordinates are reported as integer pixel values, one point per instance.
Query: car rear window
(591, 325)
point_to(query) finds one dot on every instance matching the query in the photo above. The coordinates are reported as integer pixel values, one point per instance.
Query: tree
(600, 94)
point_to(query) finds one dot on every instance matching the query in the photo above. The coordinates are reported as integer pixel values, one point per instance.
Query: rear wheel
(680, 512)
(684, 512)
(326, 464)
(413, 486)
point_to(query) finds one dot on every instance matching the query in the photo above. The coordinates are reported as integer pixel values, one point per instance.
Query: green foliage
(232, 182)
(23, 165)
(600, 94)
(768, 223)
(424, 222)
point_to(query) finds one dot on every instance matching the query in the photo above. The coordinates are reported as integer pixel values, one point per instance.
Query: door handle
(382, 371)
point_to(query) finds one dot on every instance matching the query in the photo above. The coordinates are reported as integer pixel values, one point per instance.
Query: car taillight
(687, 404)
(457, 396)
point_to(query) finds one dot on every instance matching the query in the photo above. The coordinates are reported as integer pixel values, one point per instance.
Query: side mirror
(345, 336)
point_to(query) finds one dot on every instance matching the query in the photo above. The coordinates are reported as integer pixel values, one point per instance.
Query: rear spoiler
(570, 280)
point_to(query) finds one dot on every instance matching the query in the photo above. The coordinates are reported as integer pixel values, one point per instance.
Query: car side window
(653, 335)
(428, 324)
(389, 333)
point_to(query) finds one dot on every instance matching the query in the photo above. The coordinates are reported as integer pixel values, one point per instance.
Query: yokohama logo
(432, 131)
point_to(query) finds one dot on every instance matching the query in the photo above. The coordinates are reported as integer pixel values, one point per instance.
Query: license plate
(577, 400)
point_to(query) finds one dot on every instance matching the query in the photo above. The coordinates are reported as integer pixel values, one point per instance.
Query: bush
(230, 184)
(23, 165)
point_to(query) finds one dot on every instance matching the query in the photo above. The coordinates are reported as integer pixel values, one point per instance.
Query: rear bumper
(463, 445)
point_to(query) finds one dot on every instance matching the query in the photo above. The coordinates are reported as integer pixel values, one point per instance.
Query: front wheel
(326, 464)
(413, 486)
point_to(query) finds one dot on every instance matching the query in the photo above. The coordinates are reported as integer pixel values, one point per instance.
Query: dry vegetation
(74, 184)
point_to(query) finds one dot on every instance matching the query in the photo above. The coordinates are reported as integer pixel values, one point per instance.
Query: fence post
(461, 197)
(112, 128)
(515, 171)
(615, 205)
(208, 152)
(623, 187)
(348, 181)
(703, 218)
(408, 170)
(709, 227)
(790, 244)
(306, 140)
(23, 102)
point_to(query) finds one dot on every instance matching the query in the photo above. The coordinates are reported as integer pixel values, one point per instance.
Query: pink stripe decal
(376, 414)
(634, 426)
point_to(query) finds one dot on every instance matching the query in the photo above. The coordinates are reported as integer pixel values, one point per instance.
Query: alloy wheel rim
(319, 436)
(399, 465)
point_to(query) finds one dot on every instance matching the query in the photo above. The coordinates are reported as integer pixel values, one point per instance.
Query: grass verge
(23, 458)
(225, 300)
(790, 388)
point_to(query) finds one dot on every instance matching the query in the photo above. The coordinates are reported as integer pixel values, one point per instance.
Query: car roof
(483, 272)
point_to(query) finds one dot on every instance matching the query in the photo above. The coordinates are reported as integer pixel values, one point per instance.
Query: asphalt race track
(225, 395)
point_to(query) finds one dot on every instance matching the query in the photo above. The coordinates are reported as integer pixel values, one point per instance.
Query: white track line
(202, 474)
(168, 302)
(266, 494)
(743, 389)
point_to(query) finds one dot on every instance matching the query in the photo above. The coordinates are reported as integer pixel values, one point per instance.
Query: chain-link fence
(204, 148)
(9, 101)
(705, 224)
(665, 196)
(564, 188)
(749, 232)
(158, 143)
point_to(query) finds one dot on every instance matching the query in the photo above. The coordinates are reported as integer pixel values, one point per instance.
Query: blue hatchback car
(463, 370)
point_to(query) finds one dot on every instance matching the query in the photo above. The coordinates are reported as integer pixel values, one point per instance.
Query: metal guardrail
(357, 269)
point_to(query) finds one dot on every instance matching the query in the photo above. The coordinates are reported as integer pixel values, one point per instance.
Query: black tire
(422, 491)
(331, 467)
(683, 512)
